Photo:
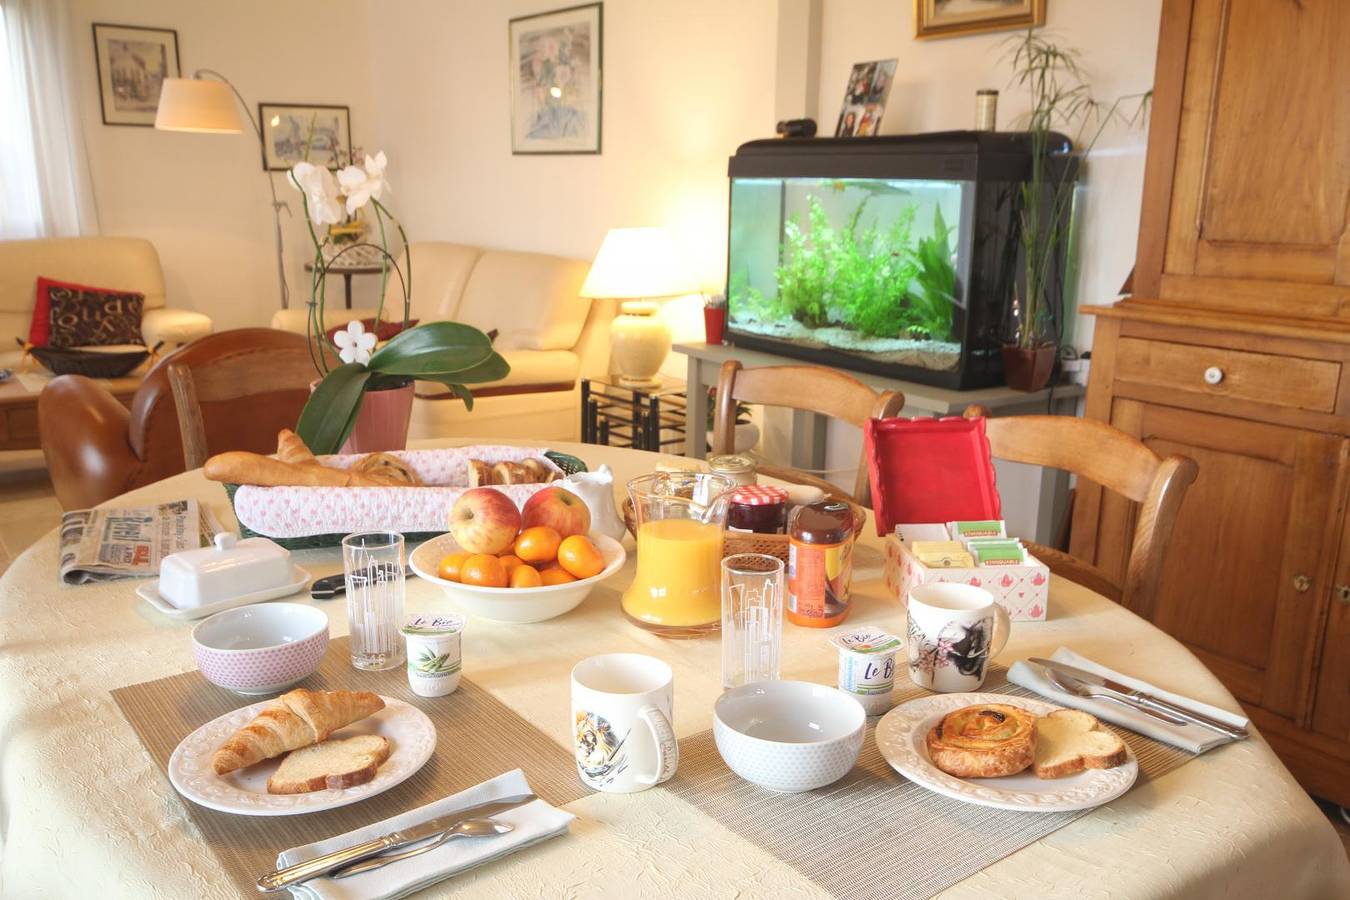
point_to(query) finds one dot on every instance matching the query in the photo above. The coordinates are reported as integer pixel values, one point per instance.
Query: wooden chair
(1115, 460)
(278, 377)
(809, 388)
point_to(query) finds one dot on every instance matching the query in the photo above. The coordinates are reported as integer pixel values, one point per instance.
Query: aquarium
(892, 255)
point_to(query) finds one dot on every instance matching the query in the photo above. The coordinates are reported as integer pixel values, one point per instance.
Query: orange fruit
(538, 544)
(450, 565)
(523, 576)
(510, 561)
(580, 558)
(483, 570)
(555, 576)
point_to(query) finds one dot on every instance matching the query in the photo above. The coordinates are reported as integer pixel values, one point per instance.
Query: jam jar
(820, 563)
(760, 508)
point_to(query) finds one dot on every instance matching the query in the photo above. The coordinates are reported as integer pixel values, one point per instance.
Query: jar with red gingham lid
(760, 508)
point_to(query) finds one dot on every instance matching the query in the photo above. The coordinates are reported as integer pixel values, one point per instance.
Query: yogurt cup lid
(433, 625)
(866, 639)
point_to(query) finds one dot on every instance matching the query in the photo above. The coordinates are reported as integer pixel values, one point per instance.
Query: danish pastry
(988, 740)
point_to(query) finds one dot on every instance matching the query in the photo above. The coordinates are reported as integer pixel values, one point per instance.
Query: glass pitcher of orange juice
(680, 517)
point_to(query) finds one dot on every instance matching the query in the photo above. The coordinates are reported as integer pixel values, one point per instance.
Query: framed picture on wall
(952, 18)
(555, 60)
(293, 132)
(132, 63)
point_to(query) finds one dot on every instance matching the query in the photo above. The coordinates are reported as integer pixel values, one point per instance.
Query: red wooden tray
(929, 470)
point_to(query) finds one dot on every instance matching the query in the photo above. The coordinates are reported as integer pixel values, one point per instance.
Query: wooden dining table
(85, 812)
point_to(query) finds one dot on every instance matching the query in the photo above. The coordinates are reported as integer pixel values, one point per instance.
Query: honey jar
(820, 563)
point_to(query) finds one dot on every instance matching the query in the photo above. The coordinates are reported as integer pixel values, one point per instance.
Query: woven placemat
(874, 833)
(472, 727)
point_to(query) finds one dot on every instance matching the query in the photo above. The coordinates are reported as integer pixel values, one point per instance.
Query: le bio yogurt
(867, 666)
(434, 654)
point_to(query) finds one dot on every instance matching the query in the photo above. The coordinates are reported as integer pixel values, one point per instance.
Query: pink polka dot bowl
(262, 648)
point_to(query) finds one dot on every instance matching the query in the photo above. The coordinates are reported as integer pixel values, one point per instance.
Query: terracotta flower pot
(1028, 369)
(382, 423)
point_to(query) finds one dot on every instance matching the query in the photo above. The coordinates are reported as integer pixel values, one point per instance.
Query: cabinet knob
(1302, 583)
(1343, 593)
(1213, 375)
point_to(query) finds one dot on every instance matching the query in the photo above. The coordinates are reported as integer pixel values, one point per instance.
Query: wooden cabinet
(1235, 351)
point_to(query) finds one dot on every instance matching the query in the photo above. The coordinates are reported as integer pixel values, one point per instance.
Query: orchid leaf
(436, 347)
(330, 413)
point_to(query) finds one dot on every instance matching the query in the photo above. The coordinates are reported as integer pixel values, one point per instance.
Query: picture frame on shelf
(292, 132)
(869, 84)
(956, 18)
(556, 61)
(131, 62)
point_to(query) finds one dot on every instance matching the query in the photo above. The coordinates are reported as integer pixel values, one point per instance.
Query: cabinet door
(1331, 709)
(1247, 572)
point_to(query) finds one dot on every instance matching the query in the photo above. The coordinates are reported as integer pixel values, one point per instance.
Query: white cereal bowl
(518, 605)
(262, 648)
(788, 735)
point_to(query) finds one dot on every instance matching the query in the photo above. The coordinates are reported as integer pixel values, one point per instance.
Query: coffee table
(18, 409)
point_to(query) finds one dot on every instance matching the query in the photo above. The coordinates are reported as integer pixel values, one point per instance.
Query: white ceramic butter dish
(227, 569)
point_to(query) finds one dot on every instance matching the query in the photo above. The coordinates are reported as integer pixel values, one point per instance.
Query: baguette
(291, 449)
(477, 473)
(296, 719)
(1069, 741)
(510, 473)
(242, 467)
(331, 765)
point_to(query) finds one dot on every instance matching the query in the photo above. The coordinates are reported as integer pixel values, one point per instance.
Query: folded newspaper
(100, 544)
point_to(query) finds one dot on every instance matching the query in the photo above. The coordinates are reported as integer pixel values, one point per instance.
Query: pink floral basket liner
(300, 512)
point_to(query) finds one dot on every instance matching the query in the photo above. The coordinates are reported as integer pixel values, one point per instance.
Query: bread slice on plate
(1069, 741)
(341, 763)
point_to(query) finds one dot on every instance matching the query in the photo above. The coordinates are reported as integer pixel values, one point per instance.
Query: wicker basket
(90, 363)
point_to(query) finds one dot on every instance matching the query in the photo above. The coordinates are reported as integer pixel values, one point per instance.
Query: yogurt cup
(867, 666)
(434, 654)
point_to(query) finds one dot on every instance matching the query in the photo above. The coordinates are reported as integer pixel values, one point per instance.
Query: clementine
(525, 576)
(450, 565)
(483, 570)
(580, 558)
(555, 576)
(510, 561)
(538, 544)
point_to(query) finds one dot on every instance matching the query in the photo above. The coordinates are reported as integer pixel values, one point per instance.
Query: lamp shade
(198, 105)
(637, 262)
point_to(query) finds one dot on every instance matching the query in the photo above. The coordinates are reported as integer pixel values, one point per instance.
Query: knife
(331, 586)
(322, 865)
(1143, 701)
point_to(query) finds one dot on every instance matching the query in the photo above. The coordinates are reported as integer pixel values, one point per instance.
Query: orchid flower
(355, 343)
(361, 183)
(321, 193)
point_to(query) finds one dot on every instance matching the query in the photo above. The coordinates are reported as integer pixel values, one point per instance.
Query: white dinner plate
(149, 592)
(411, 735)
(901, 737)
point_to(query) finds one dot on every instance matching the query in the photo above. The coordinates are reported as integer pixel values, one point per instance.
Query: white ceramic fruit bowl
(788, 735)
(520, 605)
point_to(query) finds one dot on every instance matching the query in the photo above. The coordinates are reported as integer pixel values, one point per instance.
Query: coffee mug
(954, 630)
(621, 715)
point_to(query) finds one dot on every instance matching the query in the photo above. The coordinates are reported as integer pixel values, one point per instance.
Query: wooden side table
(641, 418)
(347, 272)
(18, 409)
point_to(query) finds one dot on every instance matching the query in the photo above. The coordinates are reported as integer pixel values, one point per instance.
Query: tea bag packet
(867, 666)
(982, 528)
(942, 554)
(930, 531)
(998, 553)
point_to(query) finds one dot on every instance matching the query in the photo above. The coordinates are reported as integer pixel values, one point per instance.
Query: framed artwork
(869, 84)
(293, 132)
(952, 18)
(555, 60)
(132, 63)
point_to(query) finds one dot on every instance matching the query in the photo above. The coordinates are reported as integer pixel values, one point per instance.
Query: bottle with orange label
(820, 563)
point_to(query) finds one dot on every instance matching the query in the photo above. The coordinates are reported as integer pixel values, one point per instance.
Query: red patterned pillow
(77, 315)
(383, 333)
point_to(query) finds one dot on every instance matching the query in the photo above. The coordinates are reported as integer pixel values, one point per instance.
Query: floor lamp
(201, 106)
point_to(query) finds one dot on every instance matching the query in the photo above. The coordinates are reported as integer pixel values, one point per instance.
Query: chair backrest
(263, 383)
(1120, 462)
(810, 388)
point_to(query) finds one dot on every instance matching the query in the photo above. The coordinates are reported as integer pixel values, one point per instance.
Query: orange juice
(679, 576)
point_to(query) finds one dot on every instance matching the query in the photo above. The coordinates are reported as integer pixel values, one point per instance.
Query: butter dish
(228, 569)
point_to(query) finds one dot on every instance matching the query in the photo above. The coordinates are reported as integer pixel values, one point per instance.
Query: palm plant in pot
(363, 398)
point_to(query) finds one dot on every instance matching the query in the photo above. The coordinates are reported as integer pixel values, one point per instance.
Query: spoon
(467, 828)
(1078, 689)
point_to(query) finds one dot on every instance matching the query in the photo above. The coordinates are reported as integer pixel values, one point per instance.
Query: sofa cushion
(173, 327)
(530, 298)
(128, 264)
(93, 316)
(440, 270)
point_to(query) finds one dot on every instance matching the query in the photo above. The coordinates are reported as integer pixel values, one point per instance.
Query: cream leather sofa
(551, 337)
(120, 263)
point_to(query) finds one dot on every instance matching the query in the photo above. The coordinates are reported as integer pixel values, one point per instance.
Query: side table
(347, 272)
(651, 418)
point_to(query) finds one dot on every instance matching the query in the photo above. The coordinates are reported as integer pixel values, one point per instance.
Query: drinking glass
(373, 563)
(752, 618)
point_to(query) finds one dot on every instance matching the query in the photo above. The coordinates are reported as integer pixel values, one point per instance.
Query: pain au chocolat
(987, 740)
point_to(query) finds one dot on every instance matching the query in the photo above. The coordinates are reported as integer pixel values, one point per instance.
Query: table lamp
(638, 266)
(200, 106)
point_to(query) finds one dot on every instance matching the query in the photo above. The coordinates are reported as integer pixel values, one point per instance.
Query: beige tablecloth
(85, 813)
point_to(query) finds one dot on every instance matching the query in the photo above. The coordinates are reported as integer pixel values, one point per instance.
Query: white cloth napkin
(1194, 738)
(534, 822)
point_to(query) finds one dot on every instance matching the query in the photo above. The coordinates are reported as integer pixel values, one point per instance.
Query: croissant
(987, 740)
(387, 464)
(295, 719)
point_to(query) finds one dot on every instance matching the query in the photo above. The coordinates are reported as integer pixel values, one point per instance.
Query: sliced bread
(1069, 741)
(339, 763)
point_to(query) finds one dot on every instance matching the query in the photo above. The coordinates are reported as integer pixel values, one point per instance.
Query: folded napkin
(1193, 738)
(534, 822)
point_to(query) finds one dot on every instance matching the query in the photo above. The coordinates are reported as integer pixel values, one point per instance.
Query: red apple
(484, 520)
(560, 509)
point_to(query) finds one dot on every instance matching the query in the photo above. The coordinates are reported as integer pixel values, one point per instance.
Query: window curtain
(45, 188)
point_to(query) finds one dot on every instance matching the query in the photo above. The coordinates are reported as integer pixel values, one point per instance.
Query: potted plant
(363, 398)
(1060, 98)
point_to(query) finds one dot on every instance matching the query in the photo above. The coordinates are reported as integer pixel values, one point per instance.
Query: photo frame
(556, 61)
(954, 18)
(869, 84)
(131, 62)
(292, 132)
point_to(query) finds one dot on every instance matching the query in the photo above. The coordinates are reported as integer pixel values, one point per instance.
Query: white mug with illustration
(954, 631)
(622, 709)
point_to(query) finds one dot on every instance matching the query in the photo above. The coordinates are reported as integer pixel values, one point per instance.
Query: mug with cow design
(954, 631)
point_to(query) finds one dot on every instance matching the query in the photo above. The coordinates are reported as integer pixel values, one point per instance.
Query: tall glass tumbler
(752, 618)
(373, 564)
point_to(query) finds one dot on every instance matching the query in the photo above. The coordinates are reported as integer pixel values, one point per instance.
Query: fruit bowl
(519, 605)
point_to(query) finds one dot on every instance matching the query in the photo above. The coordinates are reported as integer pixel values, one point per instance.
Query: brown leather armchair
(96, 448)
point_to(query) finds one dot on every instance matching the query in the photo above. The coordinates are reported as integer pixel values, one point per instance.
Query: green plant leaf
(436, 347)
(330, 413)
(494, 368)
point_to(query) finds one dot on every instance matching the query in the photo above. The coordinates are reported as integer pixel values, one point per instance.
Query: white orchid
(361, 183)
(321, 193)
(355, 343)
